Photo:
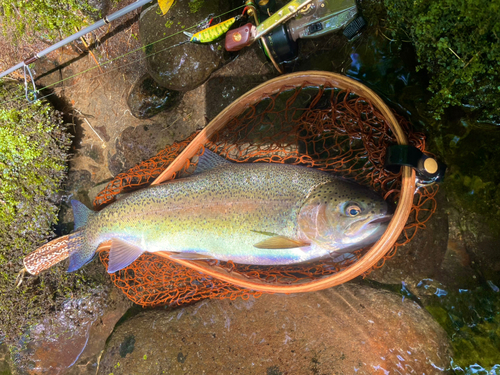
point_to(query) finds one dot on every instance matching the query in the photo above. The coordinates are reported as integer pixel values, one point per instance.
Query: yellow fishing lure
(213, 32)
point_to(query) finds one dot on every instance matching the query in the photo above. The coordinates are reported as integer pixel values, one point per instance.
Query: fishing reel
(278, 32)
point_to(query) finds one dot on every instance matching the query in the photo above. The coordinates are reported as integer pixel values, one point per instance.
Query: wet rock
(146, 98)
(235, 79)
(351, 328)
(480, 242)
(69, 341)
(101, 130)
(184, 66)
(435, 253)
(78, 184)
(93, 151)
(116, 306)
(138, 144)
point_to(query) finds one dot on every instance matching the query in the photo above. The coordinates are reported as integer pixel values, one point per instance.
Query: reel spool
(278, 31)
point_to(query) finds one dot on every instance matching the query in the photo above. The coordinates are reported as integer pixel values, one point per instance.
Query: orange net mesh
(322, 127)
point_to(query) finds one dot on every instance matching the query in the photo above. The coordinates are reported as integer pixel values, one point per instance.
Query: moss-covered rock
(33, 152)
(458, 43)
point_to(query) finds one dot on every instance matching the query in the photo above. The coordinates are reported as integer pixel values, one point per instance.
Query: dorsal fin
(81, 213)
(208, 161)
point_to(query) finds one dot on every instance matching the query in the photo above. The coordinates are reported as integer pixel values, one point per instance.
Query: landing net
(326, 128)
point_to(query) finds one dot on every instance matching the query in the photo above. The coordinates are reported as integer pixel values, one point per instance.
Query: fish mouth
(367, 227)
(383, 219)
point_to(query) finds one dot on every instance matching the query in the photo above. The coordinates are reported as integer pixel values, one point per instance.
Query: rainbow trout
(261, 214)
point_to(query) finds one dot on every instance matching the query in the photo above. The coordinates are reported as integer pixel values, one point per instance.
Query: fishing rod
(25, 64)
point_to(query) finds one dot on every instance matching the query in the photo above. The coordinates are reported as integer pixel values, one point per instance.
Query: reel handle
(240, 37)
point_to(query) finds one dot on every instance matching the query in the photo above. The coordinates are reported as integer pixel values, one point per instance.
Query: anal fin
(122, 254)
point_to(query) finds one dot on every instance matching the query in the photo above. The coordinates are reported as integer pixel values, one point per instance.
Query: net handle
(314, 78)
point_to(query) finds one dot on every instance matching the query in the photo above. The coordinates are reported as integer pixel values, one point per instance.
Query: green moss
(195, 5)
(33, 146)
(49, 18)
(458, 43)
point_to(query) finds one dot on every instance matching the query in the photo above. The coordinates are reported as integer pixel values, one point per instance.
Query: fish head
(342, 216)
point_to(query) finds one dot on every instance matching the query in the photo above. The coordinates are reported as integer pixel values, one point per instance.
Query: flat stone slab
(345, 330)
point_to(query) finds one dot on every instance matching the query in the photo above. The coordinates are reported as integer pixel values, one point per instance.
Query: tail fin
(80, 253)
(81, 213)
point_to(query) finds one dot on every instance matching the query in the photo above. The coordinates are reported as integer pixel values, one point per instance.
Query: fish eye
(353, 210)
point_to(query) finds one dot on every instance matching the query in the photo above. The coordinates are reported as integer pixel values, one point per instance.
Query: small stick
(458, 57)
(88, 123)
(466, 65)
(20, 277)
(386, 37)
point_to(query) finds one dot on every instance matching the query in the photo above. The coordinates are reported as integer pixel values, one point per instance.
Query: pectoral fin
(122, 254)
(280, 242)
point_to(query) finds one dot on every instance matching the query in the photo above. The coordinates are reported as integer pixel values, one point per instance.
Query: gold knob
(236, 37)
(430, 165)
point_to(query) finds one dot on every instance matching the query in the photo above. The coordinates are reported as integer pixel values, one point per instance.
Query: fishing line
(111, 70)
(124, 65)
(122, 56)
